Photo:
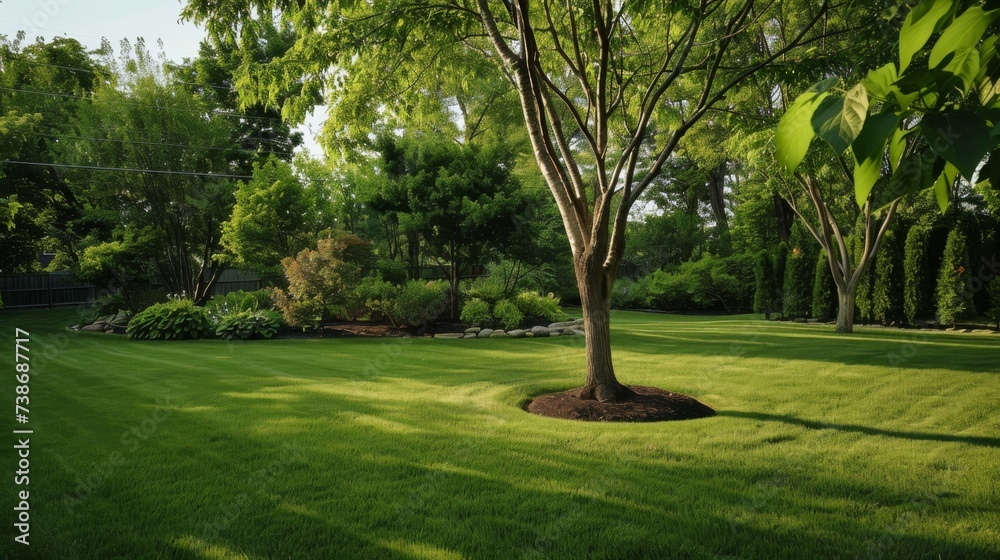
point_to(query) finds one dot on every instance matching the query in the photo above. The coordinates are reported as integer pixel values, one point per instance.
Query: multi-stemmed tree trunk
(597, 231)
(847, 271)
(607, 90)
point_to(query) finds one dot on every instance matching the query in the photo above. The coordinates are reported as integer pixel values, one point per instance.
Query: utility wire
(152, 171)
(141, 105)
(122, 141)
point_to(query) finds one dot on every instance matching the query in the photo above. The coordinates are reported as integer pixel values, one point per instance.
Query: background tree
(459, 202)
(824, 296)
(954, 298)
(915, 118)
(607, 92)
(275, 216)
(887, 291)
(918, 287)
(766, 292)
(799, 272)
(176, 195)
(41, 86)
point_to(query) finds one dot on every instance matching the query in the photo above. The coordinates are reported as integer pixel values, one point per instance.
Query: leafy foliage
(420, 302)
(918, 287)
(237, 302)
(994, 291)
(172, 320)
(766, 284)
(824, 297)
(537, 307)
(506, 315)
(629, 294)
(800, 268)
(954, 298)
(888, 290)
(320, 279)
(476, 312)
(247, 324)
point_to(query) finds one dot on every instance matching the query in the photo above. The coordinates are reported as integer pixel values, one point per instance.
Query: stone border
(564, 328)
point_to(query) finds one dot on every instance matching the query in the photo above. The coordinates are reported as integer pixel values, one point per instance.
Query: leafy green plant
(175, 319)
(766, 285)
(994, 312)
(476, 312)
(536, 307)
(420, 302)
(887, 292)
(244, 325)
(824, 301)
(234, 302)
(506, 315)
(954, 298)
(628, 294)
(485, 288)
(918, 289)
(377, 299)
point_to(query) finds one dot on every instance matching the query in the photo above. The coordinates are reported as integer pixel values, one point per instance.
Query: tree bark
(845, 309)
(595, 296)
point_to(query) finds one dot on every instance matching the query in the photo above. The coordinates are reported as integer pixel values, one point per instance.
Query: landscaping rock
(563, 325)
(529, 334)
(471, 335)
(578, 332)
(517, 333)
(485, 333)
(450, 335)
(473, 330)
(539, 332)
(499, 334)
(96, 327)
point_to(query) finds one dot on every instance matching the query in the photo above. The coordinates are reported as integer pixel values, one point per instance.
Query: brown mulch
(367, 328)
(646, 404)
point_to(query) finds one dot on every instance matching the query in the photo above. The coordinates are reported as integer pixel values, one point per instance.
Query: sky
(89, 20)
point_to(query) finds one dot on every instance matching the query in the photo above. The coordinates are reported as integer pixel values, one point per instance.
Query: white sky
(89, 20)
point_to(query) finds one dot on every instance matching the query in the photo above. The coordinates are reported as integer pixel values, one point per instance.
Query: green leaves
(879, 82)
(795, 130)
(942, 187)
(868, 149)
(918, 27)
(960, 137)
(839, 120)
(963, 34)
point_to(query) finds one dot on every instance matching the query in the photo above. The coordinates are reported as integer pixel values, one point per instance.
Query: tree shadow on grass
(903, 349)
(814, 425)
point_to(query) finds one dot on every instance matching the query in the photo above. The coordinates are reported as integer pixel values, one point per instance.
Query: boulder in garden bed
(539, 332)
(485, 333)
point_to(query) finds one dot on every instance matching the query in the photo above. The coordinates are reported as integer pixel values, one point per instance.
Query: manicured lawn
(884, 444)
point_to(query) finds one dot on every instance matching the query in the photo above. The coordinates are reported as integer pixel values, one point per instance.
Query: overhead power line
(128, 170)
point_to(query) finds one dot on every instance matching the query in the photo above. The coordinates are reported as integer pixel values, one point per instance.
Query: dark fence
(57, 289)
(61, 289)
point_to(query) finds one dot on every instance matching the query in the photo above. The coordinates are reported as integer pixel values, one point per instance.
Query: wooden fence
(61, 289)
(57, 289)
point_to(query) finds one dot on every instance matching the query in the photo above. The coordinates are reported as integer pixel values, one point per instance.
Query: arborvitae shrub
(863, 299)
(887, 291)
(918, 290)
(994, 312)
(766, 292)
(824, 300)
(800, 267)
(954, 298)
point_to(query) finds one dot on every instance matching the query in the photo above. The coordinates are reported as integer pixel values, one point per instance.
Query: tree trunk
(595, 297)
(845, 310)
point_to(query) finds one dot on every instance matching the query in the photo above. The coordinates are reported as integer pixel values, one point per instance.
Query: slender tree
(607, 90)
(918, 289)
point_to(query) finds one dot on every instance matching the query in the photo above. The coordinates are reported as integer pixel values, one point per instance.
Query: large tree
(607, 91)
(149, 162)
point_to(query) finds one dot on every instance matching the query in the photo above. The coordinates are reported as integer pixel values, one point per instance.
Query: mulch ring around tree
(646, 404)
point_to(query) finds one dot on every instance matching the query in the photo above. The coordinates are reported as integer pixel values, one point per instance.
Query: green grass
(883, 444)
